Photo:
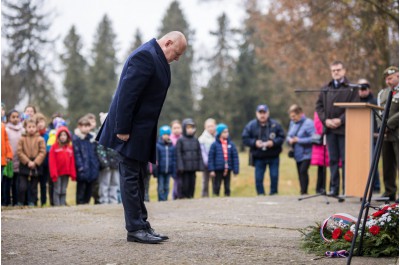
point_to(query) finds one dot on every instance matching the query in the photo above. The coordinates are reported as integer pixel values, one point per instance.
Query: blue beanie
(165, 129)
(220, 128)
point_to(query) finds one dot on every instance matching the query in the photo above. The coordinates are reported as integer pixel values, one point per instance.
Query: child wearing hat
(166, 162)
(222, 159)
(108, 174)
(189, 158)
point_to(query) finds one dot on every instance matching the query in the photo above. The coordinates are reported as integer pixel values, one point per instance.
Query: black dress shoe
(142, 236)
(153, 233)
(392, 197)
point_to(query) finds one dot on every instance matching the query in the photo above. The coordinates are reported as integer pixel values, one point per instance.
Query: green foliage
(136, 42)
(179, 101)
(383, 244)
(102, 72)
(25, 28)
(75, 75)
(217, 96)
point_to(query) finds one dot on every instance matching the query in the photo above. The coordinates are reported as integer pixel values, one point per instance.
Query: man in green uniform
(390, 147)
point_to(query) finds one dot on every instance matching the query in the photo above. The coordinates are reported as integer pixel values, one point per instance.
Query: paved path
(260, 230)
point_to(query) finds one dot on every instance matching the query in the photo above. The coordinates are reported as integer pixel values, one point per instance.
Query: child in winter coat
(6, 151)
(176, 133)
(166, 162)
(86, 161)
(56, 123)
(14, 131)
(109, 175)
(62, 165)
(44, 178)
(6, 157)
(222, 159)
(206, 139)
(31, 153)
(189, 159)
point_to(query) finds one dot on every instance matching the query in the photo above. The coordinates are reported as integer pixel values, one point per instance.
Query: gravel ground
(260, 230)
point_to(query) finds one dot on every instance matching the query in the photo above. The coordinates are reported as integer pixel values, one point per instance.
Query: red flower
(336, 233)
(374, 230)
(348, 236)
(378, 213)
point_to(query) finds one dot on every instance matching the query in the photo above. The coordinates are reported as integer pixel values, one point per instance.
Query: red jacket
(61, 158)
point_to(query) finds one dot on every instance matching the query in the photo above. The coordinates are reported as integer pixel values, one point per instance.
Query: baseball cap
(262, 107)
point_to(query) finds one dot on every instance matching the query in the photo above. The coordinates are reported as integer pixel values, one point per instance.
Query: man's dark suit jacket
(137, 104)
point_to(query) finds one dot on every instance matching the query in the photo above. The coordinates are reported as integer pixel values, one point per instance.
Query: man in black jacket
(265, 137)
(333, 119)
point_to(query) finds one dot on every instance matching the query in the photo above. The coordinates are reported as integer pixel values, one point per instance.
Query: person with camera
(299, 138)
(265, 137)
(366, 96)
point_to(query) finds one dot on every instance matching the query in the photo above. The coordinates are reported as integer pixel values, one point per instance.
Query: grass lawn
(243, 185)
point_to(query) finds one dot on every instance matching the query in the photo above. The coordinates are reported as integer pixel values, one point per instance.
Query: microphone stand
(324, 194)
(366, 200)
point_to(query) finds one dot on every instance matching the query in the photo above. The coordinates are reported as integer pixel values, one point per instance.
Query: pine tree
(179, 101)
(75, 71)
(137, 42)
(102, 73)
(216, 95)
(26, 68)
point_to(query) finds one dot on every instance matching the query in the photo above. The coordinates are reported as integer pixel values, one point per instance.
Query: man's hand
(259, 144)
(123, 137)
(336, 122)
(329, 123)
(212, 174)
(269, 144)
(293, 140)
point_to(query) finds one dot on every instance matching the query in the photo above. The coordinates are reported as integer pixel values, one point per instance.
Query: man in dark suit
(333, 118)
(131, 125)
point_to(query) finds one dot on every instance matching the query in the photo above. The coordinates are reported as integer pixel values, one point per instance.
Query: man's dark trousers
(390, 158)
(132, 174)
(336, 154)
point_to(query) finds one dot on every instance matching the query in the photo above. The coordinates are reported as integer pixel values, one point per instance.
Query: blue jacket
(273, 131)
(86, 161)
(137, 104)
(166, 158)
(216, 157)
(302, 149)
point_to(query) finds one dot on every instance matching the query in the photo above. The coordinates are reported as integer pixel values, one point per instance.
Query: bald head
(173, 45)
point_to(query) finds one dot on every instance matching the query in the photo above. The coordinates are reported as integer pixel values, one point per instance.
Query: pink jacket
(317, 156)
(174, 138)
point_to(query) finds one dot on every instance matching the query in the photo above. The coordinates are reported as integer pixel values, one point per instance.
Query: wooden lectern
(359, 145)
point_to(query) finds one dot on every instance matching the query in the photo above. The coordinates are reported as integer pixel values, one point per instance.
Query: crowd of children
(35, 153)
(180, 155)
